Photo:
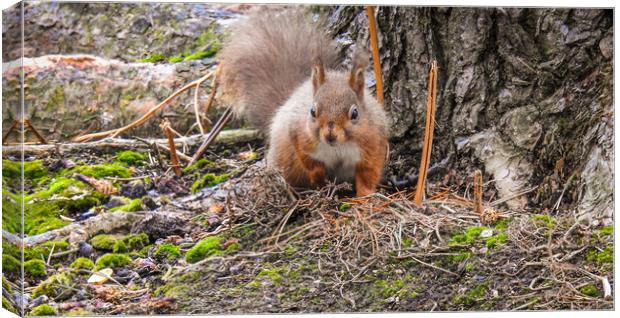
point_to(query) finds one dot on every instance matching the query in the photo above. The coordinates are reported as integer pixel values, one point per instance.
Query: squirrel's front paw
(317, 177)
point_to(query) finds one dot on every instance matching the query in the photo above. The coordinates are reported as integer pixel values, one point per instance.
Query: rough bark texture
(525, 94)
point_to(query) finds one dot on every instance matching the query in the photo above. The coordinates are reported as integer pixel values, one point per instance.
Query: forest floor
(230, 236)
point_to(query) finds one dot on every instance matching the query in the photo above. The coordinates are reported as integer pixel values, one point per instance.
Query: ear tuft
(358, 67)
(318, 75)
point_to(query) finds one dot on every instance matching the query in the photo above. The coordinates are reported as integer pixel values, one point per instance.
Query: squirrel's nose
(330, 138)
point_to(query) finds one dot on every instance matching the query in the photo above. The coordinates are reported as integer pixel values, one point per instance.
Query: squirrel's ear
(318, 75)
(356, 78)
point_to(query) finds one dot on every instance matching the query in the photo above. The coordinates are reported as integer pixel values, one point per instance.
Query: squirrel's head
(338, 108)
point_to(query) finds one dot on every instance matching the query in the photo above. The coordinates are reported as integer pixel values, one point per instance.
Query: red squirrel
(277, 70)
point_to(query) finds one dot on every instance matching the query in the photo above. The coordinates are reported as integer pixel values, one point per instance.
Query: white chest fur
(339, 160)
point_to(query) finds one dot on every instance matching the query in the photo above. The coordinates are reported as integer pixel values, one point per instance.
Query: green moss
(132, 206)
(10, 264)
(6, 304)
(273, 273)
(209, 180)
(176, 59)
(53, 285)
(473, 296)
(120, 247)
(344, 206)
(393, 288)
(43, 310)
(35, 268)
(544, 220)
(11, 212)
(136, 241)
(103, 242)
(467, 237)
(157, 57)
(112, 261)
(103, 170)
(606, 256)
(82, 263)
(463, 255)
(209, 246)
(407, 242)
(32, 169)
(6, 285)
(58, 245)
(590, 290)
(130, 157)
(497, 240)
(167, 251)
(204, 162)
(604, 231)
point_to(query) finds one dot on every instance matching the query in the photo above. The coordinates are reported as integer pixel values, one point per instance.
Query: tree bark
(525, 94)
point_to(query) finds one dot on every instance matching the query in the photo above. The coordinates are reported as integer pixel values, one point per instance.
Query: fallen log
(102, 223)
(233, 136)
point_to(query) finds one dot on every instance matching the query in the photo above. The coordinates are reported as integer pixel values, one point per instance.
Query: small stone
(101, 276)
(486, 233)
(87, 215)
(23, 299)
(134, 189)
(86, 249)
(116, 201)
(607, 47)
(236, 269)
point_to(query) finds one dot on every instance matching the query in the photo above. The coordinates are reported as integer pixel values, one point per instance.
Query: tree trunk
(525, 94)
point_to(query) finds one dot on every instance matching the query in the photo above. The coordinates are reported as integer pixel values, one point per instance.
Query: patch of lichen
(112, 260)
(209, 180)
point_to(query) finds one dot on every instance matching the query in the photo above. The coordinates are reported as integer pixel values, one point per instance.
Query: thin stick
(173, 151)
(35, 131)
(6, 136)
(374, 42)
(145, 117)
(196, 108)
(428, 134)
(478, 192)
(212, 134)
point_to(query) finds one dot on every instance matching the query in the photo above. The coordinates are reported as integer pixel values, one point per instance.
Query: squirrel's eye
(353, 113)
(313, 111)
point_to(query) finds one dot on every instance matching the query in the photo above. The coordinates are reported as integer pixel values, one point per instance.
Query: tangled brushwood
(323, 251)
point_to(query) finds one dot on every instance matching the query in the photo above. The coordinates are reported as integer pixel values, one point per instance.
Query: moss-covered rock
(43, 310)
(82, 263)
(207, 247)
(112, 260)
(103, 242)
(35, 268)
(100, 171)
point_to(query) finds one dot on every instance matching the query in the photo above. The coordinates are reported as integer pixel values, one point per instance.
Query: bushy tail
(267, 57)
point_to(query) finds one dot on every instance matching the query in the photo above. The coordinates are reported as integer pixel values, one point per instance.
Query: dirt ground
(248, 243)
